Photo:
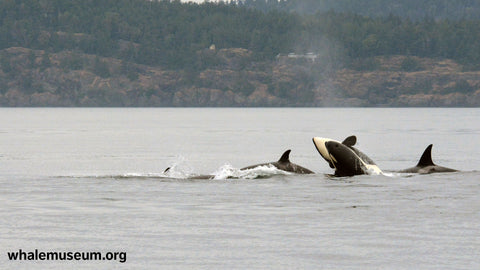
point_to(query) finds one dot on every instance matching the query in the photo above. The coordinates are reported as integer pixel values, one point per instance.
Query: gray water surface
(92, 180)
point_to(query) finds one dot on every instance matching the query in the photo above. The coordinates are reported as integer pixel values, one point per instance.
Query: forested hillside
(274, 54)
(412, 9)
(146, 32)
(170, 33)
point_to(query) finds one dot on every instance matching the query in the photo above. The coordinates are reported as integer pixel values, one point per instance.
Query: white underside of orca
(319, 143)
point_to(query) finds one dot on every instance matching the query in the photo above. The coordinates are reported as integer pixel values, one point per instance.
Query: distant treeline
(412, 9)
(173, 34)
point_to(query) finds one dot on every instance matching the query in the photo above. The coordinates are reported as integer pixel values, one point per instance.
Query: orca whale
(426, 165)
(344, 158)
(283, 164)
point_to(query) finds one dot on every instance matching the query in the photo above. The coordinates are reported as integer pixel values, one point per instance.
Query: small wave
(117, 176)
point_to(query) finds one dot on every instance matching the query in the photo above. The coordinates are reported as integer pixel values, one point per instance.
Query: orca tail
(285, 157)
(426, 159)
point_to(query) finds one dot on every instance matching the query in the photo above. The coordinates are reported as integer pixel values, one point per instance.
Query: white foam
(373, 169)
(228, 171)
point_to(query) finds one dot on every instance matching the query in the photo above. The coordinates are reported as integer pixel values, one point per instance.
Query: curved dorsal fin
(285, 157)
(350, 141)
(426, 159)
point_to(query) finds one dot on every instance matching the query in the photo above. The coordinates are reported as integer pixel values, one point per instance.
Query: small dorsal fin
(426, 159)
(285, 157)
(350, 141)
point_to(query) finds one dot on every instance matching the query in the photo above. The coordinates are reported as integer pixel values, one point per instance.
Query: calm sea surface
(92, 180)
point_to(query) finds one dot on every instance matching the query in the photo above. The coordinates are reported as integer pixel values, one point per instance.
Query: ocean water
(91, 179)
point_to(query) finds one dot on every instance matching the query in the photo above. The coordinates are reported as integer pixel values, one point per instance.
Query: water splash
(228, 172)
(182, 171)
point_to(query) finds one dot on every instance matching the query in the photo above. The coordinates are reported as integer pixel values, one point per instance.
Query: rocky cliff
(66, 78)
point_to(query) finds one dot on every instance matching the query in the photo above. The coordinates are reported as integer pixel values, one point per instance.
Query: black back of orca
(425, 164)
(283, 164)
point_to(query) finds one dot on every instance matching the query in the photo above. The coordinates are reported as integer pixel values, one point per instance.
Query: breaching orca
(283, 164)
(344, 158)
(426, 165)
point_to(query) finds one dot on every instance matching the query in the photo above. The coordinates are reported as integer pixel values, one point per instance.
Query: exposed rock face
(433, 83)
(37, 78)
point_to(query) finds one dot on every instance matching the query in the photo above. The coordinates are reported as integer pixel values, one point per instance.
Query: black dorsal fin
(285, 157)
(350, 141)
(426, 159)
